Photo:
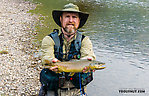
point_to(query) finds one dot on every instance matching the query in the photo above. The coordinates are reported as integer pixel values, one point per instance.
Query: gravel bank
(16, 34)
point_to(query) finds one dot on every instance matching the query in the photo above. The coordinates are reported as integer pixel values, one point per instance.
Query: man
(64, 45)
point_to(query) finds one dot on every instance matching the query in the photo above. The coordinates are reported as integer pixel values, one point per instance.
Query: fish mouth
(101, 66)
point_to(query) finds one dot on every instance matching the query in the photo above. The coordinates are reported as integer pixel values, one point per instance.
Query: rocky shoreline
(18, 69)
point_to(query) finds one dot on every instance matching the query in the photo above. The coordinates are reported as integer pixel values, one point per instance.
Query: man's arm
(48, 50)
(87, 52)
(87, 49)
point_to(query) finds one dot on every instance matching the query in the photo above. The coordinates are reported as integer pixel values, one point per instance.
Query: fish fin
(58, 72)
(72, 73)
(47, 62)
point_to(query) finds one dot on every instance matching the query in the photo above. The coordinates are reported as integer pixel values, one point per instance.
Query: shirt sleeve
(87, 49)
(48, 50)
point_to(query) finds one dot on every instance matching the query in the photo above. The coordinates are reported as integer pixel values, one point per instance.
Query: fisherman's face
(70, 22)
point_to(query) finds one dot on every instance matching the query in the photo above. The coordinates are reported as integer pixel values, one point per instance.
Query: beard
(70, 29)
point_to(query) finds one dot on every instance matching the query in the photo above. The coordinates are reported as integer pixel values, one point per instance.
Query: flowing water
(119, 30)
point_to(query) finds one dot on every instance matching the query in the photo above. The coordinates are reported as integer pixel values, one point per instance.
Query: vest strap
(78, 41)
(55, 37)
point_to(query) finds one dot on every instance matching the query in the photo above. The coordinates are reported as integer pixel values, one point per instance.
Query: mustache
(71, 24)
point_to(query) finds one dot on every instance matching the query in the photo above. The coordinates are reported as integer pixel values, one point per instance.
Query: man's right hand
(55, 60)
(55, 68)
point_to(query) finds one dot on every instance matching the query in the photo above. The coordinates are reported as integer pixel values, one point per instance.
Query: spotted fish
(75, 66)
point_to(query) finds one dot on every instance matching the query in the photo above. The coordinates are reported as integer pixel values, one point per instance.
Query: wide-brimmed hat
(70, 8)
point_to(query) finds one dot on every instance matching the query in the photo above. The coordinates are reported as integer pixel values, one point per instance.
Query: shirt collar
(60, 32)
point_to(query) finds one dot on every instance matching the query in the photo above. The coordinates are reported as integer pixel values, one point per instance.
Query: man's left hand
(90, 58)
(86, 69)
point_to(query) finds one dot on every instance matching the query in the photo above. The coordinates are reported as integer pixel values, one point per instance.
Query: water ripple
(140, 67)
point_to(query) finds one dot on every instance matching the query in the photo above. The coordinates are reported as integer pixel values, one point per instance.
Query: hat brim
(57, 13)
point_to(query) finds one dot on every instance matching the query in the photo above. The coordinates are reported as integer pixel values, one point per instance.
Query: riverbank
(17, 76)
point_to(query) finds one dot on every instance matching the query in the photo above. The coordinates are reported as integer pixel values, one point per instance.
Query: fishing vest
(74, 52)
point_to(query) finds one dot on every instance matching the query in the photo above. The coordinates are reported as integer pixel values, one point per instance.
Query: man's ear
(60, 18)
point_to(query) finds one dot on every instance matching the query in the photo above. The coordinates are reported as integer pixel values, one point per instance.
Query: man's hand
(55, 60)
(90, 58)
(55, 68)
(86, 69)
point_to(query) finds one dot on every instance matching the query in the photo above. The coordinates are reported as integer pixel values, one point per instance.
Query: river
(119, 32)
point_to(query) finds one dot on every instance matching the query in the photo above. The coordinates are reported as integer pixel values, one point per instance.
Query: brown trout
(78, 65)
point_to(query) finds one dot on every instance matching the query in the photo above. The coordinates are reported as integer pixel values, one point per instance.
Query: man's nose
(70, 19)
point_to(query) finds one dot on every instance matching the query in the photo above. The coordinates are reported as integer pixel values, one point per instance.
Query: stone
(16, 26)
